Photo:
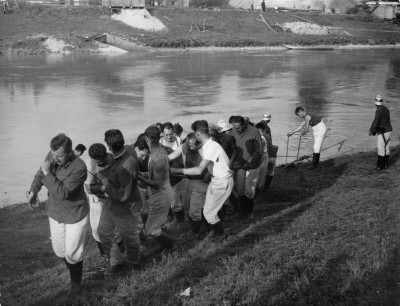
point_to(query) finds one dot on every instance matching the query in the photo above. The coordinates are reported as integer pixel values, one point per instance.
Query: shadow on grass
(303, 183)
(380, 288)
(196, 268)
(289, 187)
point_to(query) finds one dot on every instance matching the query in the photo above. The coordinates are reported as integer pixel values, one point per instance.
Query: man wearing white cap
(224, 127)
(266, 119)
(271, 153)
(381, 126)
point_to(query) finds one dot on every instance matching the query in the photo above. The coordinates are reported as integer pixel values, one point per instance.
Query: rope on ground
(304, 157)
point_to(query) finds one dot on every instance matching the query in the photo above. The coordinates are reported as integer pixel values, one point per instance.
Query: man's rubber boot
(121, 246)
(164, 241)
(75, 273)
(218, 229)
(268, 181)
(101, 249)
(222, 212)
(243, 203)
(250, 205)
(386, 161)
(195, 226)
(380, 163)
(316, 165)
(142, 237)
(235, 202)
(205, 222)
(180, 216)
(144, 218)
(315, 161)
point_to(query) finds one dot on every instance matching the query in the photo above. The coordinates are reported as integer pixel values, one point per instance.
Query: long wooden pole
(298, 149)
(287, 148)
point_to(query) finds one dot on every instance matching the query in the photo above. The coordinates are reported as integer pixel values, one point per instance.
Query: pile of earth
(305, 28)
(140, 19)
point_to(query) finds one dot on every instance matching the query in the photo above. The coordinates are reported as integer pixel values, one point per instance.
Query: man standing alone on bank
(64, 176)
(319, 131)
(381, 126)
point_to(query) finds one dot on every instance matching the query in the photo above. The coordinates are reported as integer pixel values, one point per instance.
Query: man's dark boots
(75, 272)
(144, 218)
(222, 212)
(315, 161)
(243, 204)
(180, 216)
(195, 226)
(268, 181)
(386, 162)
(218, 229)
(121, 246)
(316, 165)
(250, 208)
(101, 249)
(235, 202)
(380, 164)
(164, 241)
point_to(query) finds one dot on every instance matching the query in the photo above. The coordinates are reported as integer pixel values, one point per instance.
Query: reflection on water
(85, 95)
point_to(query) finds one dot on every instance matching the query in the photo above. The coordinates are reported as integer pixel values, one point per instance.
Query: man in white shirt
(217, 163)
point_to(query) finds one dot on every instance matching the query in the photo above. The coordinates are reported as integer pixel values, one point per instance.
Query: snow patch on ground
(139, 18)
(305, 28)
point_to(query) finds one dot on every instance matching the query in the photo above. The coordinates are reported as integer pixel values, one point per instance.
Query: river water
(84, 96)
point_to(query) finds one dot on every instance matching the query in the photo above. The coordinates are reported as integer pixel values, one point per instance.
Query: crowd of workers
(126, 192)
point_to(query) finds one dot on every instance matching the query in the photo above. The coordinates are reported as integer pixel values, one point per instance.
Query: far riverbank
(37, 29)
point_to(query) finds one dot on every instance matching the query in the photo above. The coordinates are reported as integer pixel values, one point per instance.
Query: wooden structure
(72, 2)
(123, 3)
(384, 9)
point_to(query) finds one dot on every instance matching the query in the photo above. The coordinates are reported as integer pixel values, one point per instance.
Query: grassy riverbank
(329, 236)
(25, 31)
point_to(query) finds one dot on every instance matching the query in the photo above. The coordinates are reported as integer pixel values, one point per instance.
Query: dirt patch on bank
(305, 28)
(140, 19)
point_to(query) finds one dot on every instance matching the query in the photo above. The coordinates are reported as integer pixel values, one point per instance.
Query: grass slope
(324, 237)
(226, 28)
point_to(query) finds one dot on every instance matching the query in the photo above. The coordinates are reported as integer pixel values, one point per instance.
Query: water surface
(85, 95)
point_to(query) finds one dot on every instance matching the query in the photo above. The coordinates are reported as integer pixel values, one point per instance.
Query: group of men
(128, 191)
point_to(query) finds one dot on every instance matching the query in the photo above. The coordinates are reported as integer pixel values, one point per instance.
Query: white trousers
(319, 132)
(218, 192)
(263, 171)
(384, 144)
(271, 166)
(96, 207)
(68, 240)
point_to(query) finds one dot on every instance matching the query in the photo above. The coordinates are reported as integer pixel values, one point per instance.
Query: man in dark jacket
(250, 149)
(122, 206)
(64, 174)
(381, 126)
